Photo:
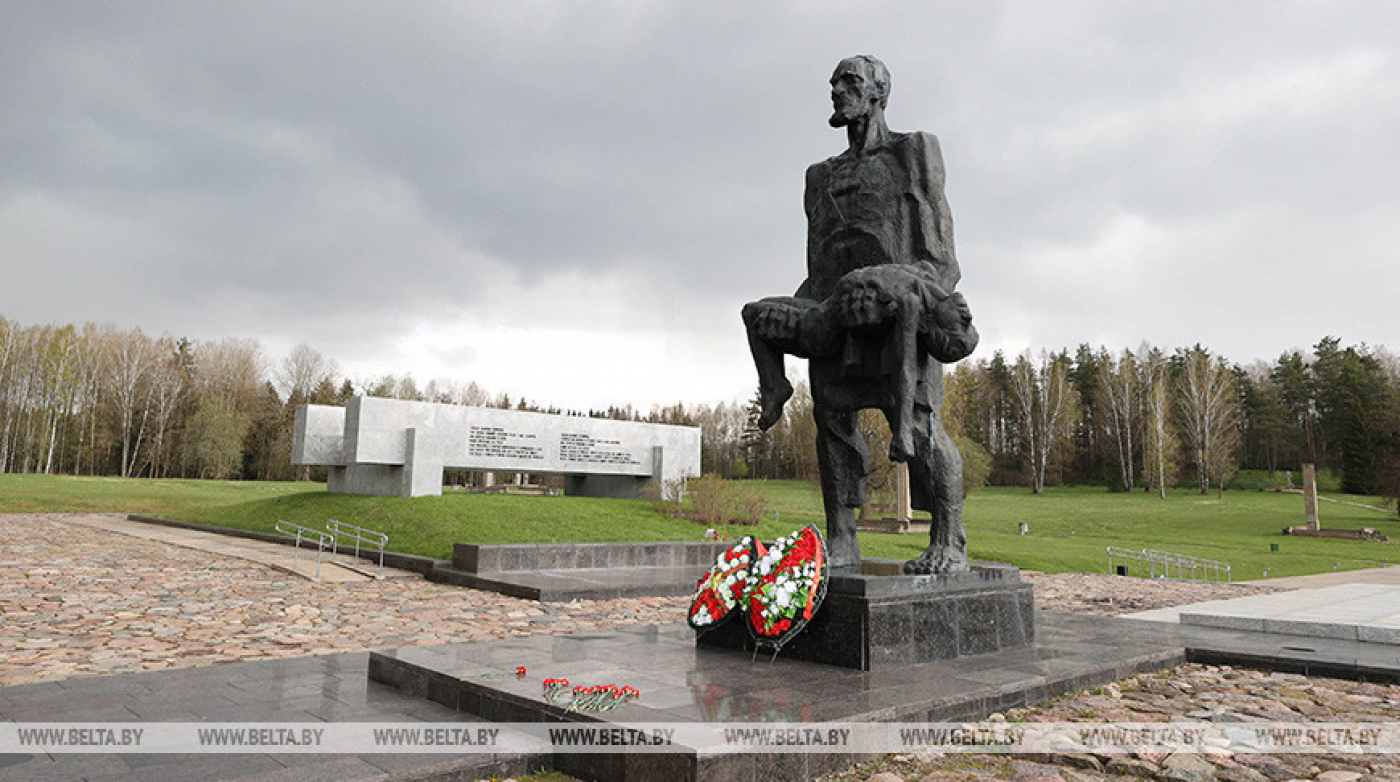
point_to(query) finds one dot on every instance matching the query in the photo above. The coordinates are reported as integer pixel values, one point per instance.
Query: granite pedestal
(878, 618)
(580, 571)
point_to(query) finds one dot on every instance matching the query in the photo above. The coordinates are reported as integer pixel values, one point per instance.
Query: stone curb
(423, 566)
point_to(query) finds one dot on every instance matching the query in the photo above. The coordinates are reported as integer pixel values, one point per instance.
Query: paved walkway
(1375, 575)
(304, 563)
(1361, 612)
(1361, 605)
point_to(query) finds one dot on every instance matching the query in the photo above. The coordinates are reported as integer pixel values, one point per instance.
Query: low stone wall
(479, 558)
(1365, 533)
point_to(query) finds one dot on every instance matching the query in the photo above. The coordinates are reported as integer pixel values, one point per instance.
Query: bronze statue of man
(876, 317)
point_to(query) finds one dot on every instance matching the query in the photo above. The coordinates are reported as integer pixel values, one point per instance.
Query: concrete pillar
(903, 504)
(1310, 496)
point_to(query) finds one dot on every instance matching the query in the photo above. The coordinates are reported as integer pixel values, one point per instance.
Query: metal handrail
(1166, 560)
(305, 533)
(360, 535)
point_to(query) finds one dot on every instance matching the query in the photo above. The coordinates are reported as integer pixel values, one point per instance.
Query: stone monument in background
(876, 318)
(400, 448)
(1310, 497)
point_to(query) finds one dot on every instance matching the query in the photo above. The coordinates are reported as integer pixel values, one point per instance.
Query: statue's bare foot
(842, 548)
(938, 559)
(773, 401)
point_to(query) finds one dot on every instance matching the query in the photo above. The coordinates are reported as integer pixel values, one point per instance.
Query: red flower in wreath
(722, 591)
(788, 585)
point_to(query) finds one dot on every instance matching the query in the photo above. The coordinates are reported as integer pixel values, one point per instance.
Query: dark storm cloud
(341, 173)
(387, 156)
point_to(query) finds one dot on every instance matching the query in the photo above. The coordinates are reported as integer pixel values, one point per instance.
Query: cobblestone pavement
(78, 600)
(1092, 593)
(1216, 694)
(74, 601)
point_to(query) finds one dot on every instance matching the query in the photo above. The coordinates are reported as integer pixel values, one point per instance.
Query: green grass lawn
(170, 498)
(1070, 528)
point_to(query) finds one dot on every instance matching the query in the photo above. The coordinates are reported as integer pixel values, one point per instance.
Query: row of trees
(1127, 419)
(98, 400)
(1144, 418)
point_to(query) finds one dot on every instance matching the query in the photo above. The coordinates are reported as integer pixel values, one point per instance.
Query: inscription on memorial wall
(578, 447)
(495, 442)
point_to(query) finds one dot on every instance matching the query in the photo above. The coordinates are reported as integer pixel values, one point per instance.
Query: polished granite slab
(1072, 652)
(681, 682)
(320, 689)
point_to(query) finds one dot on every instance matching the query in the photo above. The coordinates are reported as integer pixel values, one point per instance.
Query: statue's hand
(862, 301)
(777, 322)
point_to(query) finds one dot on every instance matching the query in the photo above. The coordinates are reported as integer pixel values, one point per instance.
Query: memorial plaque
(495, 442)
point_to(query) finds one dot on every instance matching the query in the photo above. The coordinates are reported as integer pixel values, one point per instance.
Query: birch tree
(1210, 409)
(58, 351)
(1120, 406)
(1045, 409)
(14, 375)
(800, 432)
(1160, 444)
(92, 400)
(455, 392)
(303, 371)
(130, 358)
(169, 384)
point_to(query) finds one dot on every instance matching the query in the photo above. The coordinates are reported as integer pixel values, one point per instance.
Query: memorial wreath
(788, 586)
(780, 586)
(723, 589)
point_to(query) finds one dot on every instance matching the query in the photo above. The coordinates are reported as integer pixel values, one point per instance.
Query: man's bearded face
(853, 93)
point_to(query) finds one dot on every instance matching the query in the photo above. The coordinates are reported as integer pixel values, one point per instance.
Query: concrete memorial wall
(400, 448)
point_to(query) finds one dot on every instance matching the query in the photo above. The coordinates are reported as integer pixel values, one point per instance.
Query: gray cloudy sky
(572, 200)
